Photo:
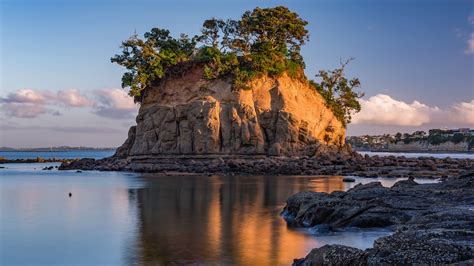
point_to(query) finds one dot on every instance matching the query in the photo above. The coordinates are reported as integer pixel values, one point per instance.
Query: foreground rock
(326, 163)
(433, 223)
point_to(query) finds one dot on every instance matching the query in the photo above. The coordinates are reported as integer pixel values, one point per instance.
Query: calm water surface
(116, 218)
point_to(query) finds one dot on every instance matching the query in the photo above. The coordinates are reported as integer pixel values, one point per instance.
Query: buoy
(70, 194)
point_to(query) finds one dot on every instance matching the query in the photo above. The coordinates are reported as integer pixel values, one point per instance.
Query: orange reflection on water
(190, 219)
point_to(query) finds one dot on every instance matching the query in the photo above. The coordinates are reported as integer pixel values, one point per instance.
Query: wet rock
(428, 246)
(333, 255)
(434, 222)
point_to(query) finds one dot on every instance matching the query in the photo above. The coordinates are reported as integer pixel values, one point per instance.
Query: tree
(147, 60)
(398, 136)
(457, 138)
(339, 92)
(210, 32)
(274, 30)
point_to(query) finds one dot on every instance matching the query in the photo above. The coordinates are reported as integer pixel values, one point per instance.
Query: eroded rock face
(190, 115)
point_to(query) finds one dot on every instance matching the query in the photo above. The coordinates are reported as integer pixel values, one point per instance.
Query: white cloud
(24, 96)
(115, 103)
(464, 112)
(382, 109)
(470, 19)
(30, 103)
(23, 109)
(73, 98)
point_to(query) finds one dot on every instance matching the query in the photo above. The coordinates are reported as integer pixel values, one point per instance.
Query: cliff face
(191, 115)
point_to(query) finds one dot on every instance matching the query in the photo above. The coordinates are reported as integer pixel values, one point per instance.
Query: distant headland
(56, 149)
(436, 140)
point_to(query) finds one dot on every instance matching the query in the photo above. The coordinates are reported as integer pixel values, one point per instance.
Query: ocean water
(117, 218)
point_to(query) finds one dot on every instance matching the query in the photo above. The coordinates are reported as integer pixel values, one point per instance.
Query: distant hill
(54, 149)
(439, 140)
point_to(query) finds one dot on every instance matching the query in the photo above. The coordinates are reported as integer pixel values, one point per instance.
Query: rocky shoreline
(344, 164)
(433, 223)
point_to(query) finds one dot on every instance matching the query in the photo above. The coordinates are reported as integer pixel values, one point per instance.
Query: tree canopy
(339, 92)
(264, 41)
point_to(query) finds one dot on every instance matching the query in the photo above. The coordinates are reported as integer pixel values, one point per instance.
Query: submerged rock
(348, 179)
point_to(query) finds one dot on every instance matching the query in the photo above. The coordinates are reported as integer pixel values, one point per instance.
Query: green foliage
(268, 41)
(471, 142)
(147, 60)
(276, 30)
(457, 138)
(437, 139)
(339, 92)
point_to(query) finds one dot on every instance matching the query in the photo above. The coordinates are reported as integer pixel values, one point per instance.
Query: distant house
(463, 130)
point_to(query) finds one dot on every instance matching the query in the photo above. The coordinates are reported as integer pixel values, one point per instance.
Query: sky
(415, 60)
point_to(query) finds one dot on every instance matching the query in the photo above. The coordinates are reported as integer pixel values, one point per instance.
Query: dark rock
(434, 222)
(429, 246)
(333, 255)
(348, 179)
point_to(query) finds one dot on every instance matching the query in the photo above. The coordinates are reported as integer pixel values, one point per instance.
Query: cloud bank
(115, 103)
(30, 103)
(382, 109)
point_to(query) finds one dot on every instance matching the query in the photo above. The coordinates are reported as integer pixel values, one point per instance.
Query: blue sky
(411, 55)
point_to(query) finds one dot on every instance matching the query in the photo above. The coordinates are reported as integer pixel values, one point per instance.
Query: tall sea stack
(188, 115)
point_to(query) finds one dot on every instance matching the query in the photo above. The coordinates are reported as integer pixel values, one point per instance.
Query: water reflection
(234, 220)
(121, 218)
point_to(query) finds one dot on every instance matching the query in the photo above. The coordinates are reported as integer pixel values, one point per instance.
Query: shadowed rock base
(434, 223)
(328, 162)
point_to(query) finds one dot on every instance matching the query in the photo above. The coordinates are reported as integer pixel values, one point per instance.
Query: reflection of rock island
(225, 219)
